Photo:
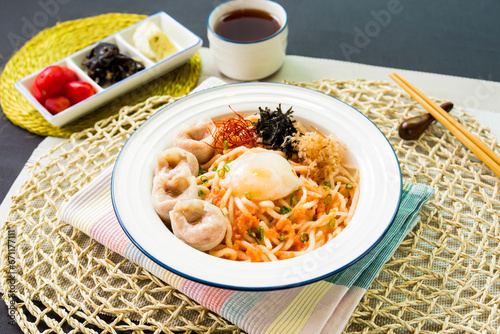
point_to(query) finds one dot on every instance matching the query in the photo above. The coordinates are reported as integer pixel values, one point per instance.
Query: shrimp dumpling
(172, 158)
(197, 139)
(171, 187)
(198, 223)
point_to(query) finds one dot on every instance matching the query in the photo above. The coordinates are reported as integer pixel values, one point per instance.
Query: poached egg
(263, 174)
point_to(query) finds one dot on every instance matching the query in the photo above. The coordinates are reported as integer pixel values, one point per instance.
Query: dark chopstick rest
(412, 128)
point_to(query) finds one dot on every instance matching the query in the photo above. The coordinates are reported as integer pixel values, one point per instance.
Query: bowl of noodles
(256, 186)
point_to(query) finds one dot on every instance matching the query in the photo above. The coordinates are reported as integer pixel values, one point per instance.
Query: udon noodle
(266, 207)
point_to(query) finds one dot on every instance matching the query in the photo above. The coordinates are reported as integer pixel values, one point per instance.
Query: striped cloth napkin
(321, 307)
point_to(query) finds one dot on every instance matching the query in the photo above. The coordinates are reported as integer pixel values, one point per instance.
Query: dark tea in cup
(247, 25)
(248, 38)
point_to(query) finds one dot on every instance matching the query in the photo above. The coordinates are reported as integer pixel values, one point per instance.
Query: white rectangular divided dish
(186, 42)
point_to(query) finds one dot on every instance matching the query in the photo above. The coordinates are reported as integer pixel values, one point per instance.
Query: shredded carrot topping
(321, 210)
(243, 223)
(216, 196)
(236, 245)
(254, 254)
(299, 245)
(284, 256)
(271, 233)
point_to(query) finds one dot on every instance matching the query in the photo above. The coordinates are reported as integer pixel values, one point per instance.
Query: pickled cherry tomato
(50, 81)
(77, 91)
(69, 74)
(38, 94)
(58, 88)
(57, 104)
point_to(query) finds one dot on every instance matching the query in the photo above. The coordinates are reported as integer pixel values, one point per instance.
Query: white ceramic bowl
(249, 60)
(186, 42)
(368, 149)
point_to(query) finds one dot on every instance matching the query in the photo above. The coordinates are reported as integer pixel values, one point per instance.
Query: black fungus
(276, 128)
(106, 64)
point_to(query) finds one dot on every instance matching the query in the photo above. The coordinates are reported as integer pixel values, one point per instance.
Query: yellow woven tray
(444, 277)
(64, 39)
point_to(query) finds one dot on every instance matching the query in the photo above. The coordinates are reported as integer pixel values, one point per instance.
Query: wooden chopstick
(483, 152)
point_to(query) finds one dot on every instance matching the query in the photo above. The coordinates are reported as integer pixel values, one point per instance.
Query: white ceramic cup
(248, 60)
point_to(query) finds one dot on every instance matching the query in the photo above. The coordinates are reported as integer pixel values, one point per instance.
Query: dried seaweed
(277, 129)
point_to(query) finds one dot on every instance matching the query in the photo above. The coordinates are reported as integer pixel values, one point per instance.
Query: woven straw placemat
(445, 276)
(64, 39)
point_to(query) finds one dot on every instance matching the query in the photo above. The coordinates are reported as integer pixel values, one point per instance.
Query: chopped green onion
(332, 222)
(201, 170)
(328, 199)
(200, 193)
(284, 210)
(282, 237)
(226, 168)
(261, 233)
(221, 173)
(315, 218)
(349, 185)
(304, 237)
(229, 161)
(253, 235)
(225, 145)
(214, 169)
(248, 196)
(327, 184)
(204, 179)
(293, 200)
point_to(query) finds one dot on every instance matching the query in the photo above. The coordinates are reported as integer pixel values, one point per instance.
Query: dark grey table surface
(449, 37)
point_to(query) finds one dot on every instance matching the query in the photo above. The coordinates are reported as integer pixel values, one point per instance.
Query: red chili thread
(235, 131)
